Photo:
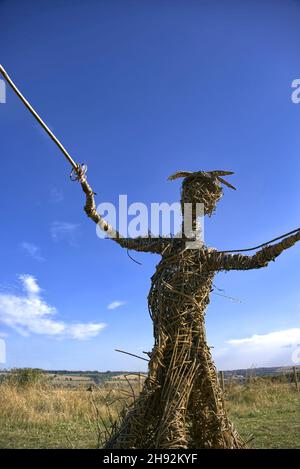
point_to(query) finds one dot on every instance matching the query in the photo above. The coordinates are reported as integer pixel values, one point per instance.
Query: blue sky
(138, 90)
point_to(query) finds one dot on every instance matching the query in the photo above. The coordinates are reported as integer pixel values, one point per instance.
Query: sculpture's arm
(225, 261)
(154, 245)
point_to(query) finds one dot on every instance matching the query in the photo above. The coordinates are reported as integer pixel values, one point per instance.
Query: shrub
(26, 376)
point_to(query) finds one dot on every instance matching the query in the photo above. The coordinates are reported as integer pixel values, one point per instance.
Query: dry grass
(44, 416)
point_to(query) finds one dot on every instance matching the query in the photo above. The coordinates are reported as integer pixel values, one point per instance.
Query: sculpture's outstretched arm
(154, 245)
(223, 261)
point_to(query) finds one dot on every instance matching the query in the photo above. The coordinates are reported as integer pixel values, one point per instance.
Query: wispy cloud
(29, 313)
(56, 195)
(84, 331)
(115, 304)
(271, 349)
(32, 250)
(63, 231)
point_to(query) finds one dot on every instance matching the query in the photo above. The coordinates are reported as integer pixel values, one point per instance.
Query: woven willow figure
(181, 404)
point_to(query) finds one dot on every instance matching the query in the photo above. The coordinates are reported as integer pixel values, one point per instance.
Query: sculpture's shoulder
(205, 251)
(205, 256)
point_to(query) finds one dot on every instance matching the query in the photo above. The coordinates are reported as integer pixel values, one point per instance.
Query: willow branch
(131, 354)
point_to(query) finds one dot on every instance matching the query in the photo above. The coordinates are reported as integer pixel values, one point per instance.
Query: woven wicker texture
(182, 404)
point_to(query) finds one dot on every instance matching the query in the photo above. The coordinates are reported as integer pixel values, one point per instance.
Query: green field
(41, 415)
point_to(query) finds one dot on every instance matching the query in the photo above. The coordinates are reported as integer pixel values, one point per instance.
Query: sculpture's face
(203, 189)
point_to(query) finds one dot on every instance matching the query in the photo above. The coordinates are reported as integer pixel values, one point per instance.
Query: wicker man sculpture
(181, 404)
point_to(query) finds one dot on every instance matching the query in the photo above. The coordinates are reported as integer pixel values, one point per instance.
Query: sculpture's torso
(181, 284)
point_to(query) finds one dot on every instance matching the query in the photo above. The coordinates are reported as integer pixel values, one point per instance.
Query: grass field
(45, 416)
(268, 411)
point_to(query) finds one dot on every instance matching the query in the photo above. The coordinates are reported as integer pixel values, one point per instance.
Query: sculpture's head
(202, 187)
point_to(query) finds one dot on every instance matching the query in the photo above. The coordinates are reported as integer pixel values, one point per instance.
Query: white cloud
(63, 231)
(277, 339)
(33, 250)
(116, 304)
(274, 348)
(30, 314)
(29, 284)
(82, 331)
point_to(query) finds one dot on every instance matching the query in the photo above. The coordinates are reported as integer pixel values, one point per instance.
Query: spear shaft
(38, 118)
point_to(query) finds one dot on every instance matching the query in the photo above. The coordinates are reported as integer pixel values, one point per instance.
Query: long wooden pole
(38, 118)
(222, 379)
